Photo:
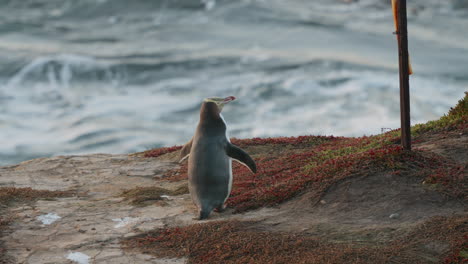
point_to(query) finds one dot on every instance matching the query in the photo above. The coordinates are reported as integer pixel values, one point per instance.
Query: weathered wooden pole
(399, 11)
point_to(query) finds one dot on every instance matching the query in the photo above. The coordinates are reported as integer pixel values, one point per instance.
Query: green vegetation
(457, 118)
(143, 196)
(10, 195)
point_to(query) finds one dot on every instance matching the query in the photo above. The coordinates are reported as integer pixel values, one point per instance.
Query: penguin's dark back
(211, 123)
(209, 166)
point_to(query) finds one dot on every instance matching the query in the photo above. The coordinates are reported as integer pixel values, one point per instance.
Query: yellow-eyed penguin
(210, 155)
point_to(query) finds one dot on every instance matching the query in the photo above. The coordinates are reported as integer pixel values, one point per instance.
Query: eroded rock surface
(86, 228)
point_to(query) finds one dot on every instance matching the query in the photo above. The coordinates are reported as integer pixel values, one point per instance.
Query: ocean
(119, 76)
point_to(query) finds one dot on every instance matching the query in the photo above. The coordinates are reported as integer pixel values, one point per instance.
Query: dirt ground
(373, 208)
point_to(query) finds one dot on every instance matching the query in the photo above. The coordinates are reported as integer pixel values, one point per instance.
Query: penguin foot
(203, 215)
(220, 208)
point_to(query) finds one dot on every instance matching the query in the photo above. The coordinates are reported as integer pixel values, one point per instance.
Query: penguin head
(219, 101)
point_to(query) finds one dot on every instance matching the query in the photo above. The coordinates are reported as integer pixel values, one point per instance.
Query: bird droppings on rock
(78, 257)
(48, 219)
(121, 222)
(394, 216)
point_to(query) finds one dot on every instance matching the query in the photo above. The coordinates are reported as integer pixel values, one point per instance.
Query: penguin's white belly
(230, 180)
(230, 161)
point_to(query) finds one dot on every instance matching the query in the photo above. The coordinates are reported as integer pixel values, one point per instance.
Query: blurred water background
(119, 76)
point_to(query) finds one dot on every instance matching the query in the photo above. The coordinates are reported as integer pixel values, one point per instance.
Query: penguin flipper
(185, 151)
(241, 156)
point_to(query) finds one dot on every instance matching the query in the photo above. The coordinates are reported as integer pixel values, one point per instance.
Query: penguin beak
(229, 99)
(219, 101)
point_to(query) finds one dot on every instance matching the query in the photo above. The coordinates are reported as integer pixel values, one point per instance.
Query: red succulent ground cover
(292, 141)
(4, 222)
(320, 162)
(10, 195)
(154, 153)
(238, 242)
(283, 177)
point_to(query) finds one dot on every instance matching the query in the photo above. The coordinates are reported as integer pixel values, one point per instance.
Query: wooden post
(405, 71)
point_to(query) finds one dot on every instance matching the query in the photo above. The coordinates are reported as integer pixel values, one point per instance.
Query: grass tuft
(457, 118)
(143, 196)
(10, 195)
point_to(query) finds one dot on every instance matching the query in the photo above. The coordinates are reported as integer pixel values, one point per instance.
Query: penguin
(210, 154)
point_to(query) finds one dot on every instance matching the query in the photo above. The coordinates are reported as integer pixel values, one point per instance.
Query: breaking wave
(120, 76)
